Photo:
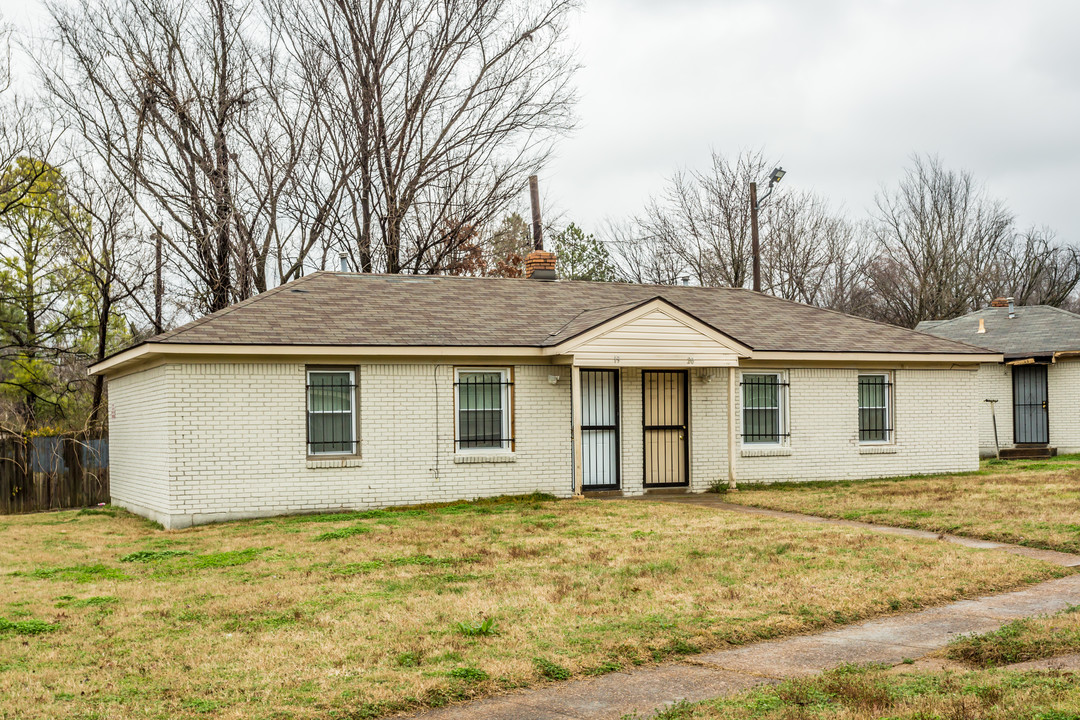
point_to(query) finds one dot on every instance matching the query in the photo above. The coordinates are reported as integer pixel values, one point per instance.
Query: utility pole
(159, 288)
(537, 226)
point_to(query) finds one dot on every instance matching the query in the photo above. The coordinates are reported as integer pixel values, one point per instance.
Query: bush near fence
(53, 472)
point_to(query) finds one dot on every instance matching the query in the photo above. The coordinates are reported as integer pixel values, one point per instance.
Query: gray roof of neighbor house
(353, 309)
(1036, 330)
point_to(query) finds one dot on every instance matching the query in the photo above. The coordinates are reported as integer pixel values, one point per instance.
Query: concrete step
(1028, 452)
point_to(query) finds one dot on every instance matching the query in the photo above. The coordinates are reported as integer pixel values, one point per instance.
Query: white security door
(600, 429)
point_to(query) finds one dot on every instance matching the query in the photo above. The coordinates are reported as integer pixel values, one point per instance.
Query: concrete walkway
(888, 640)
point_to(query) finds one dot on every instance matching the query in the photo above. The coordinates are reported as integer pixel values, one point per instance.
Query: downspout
(731, 430)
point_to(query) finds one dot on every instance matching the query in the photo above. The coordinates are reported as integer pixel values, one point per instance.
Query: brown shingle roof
(1037, 330)
(330, 308)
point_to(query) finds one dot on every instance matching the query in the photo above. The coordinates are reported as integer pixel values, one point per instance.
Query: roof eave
(150, 351)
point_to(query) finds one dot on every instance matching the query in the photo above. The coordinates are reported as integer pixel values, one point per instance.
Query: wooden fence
(50, 473)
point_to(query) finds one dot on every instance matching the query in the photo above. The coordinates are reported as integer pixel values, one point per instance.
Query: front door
(667, 459)
(1031, 421)
(600, 429)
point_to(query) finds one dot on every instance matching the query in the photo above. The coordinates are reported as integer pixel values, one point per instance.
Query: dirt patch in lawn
(363, 614)
(1034, 503)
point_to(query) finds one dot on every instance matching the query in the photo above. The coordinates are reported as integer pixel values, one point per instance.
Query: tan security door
(665, 403)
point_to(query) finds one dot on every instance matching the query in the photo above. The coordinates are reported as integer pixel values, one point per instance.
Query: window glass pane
(330, 412)
(762, 425)
(762, 421)
(761, 391)
(874, 408)
(872, 391)
(481, 423)
(329, 392)
(480, 391)
(330, 432)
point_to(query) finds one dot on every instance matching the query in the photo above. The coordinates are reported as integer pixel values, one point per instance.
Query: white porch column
(575, 414)
(731, 429)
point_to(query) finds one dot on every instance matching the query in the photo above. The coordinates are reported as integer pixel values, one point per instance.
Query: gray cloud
(841, 91)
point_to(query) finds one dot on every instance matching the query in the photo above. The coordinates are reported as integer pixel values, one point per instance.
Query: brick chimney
(999, 302)
(540, 265)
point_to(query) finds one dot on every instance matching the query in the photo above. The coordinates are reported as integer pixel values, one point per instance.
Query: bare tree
(640, 258)
(939, 236)
(810, 254)
(107, 250)
(703, 218)
(192, 107)
(1036, 269)
(453, 104)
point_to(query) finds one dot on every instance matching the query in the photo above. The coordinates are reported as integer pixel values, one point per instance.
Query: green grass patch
(103, 511)
(551, 670)
(1020, 641)
(468, 674)
(483, 628)
(98, 601)
(227, 558)
(343, 533)
(25, 627)
(75, 573)
(149, 556)
(869, 693)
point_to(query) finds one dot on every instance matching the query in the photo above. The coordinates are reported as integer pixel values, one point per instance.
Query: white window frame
(355, 442)
(505, 378)
(890, 432)
(782, 407)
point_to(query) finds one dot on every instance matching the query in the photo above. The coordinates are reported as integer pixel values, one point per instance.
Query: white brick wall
(140, 409)
(933, 418)
(199, 442)
(995, 383)
(1063, 393)
(1063, 383)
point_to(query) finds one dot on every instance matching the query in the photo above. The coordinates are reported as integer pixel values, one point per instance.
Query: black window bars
(764, 400)
(483, 411)
(875, 408)
(331, 408)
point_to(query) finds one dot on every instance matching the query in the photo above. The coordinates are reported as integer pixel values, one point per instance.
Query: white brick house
(344, 390)
(1035, 387)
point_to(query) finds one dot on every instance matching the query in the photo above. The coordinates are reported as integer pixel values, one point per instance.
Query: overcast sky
(841, 92)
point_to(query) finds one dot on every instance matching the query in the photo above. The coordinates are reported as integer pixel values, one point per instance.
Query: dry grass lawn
(1019, 641)
(854, 693)
(1034, 503)
(364, 614)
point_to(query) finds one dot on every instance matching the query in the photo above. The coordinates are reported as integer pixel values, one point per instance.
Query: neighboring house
(346, 390)
(1036, 386)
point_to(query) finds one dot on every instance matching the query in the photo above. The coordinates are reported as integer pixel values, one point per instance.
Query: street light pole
(755, 247)
(774, 177)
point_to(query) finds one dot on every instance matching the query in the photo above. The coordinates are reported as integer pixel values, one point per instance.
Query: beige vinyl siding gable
(659, 337)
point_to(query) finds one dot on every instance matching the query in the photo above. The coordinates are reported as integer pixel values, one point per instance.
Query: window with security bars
(764, 413)
(331, 412)
(875, 408)
(483, 410)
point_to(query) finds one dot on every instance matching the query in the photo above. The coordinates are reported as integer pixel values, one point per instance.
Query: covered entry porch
(652, 402)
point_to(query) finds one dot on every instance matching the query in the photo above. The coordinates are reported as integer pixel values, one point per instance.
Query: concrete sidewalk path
(715, 501)
(888, 640)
